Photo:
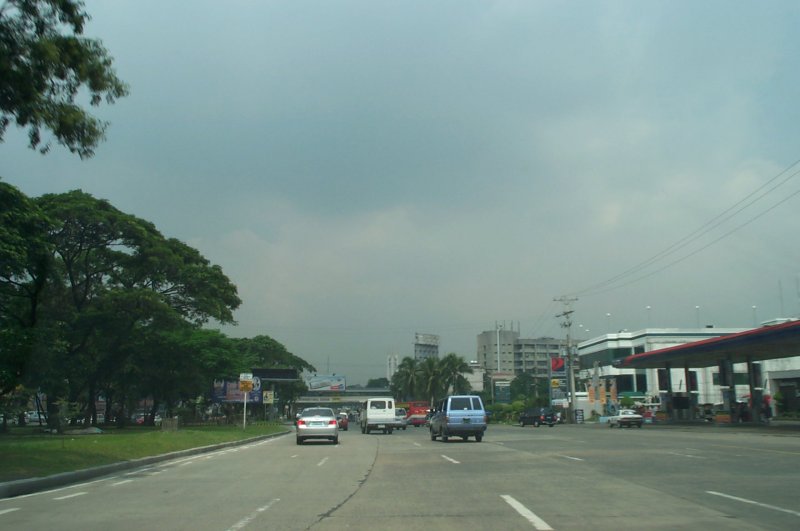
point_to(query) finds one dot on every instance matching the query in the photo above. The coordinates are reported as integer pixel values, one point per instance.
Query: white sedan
(626, 418)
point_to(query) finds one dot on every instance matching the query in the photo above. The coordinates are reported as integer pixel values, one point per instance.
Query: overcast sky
(366, 170)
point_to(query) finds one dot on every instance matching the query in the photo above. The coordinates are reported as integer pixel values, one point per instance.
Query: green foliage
(431, 378)
(26, 454)
(535, 392)
(378, 383)
(626, 402)
(95, 301)
(45, 63)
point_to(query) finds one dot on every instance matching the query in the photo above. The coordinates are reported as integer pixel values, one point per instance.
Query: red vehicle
(343, 421)
(417, 413)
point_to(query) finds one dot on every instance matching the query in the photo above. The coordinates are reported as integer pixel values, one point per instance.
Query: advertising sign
(330, 382)
(229, 391)
(558, 378)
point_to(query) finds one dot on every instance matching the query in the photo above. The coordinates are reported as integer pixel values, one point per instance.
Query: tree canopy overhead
(45, 63)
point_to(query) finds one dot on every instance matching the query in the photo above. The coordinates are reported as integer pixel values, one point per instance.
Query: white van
(377, 414)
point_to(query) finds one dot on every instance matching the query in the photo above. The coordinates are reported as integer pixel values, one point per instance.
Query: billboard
(228, 391)
(330, 382)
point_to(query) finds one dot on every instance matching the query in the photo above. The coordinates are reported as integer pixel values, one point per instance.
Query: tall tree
(25, 263)
(405, 381)
(264, 352)
(116, 271)
(430, 379)
(452, 370)
(45, 62)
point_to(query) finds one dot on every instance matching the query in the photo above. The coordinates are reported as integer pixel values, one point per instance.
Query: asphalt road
(566, 477)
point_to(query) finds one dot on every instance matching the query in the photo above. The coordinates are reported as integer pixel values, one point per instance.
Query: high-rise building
(502, 350)
(426, 346)
(391, 366)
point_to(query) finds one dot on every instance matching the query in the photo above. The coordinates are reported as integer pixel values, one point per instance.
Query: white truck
(377, 414)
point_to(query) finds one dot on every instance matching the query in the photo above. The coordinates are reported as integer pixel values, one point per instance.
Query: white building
(597, 356)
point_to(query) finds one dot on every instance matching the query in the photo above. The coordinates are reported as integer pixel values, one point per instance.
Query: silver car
(317, 423)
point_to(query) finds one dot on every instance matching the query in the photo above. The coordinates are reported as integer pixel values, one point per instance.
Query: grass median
(29, 453)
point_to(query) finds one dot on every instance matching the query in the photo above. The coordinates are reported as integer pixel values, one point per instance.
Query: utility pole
(570, 358)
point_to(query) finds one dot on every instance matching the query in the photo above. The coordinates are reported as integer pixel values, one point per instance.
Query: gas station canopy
(765, 343)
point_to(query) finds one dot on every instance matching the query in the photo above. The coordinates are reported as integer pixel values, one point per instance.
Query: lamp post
(608, 322)
(697, 315)
(648, 308)
(755, 316)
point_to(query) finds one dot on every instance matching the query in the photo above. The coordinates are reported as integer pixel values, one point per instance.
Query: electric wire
(749, 200)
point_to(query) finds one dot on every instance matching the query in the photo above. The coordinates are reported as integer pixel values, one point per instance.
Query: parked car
(401, 422)
(317, 423)
(537, 417)
(460, 416)
(625, 419)
(343, 421)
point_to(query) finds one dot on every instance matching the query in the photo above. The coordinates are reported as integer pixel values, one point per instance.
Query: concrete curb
(20, 487)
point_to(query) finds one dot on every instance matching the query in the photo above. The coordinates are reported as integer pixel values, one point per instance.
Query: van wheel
(299, 440)
(363, 429)
(464, 437)
(444, 435)
(478, 438)
(433, 435)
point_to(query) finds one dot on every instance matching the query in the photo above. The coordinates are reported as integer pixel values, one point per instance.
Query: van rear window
(461, 403)
(377, 404)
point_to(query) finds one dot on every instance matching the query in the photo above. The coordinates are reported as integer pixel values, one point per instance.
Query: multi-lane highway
(566, 477)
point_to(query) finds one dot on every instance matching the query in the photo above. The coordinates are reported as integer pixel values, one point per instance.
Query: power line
(710, 225)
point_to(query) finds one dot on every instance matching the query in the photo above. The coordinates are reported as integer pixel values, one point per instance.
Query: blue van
(459, 416)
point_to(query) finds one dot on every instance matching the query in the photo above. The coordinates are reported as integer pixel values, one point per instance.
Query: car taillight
(331, 422)
(301, 422)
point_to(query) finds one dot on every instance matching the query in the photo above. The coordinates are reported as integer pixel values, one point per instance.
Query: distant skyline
(365, 171)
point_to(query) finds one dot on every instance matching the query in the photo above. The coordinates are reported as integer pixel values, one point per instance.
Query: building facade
(426, 346)
(597, 373)
(504, 351)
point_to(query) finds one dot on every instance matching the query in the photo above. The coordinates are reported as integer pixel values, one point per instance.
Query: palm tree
(430, 379)
(405, 382)
(452, 369)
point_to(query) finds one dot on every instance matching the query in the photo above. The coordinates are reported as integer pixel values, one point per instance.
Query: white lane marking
(417, 444)
(295, 455)
(70, 496)
(186, 463)
(690, 456)
(526, 513)
(451, 459)
(744, 500)
(11, 510)
(573, 458)
(122, 482)
(322, 462)
(246, 520)
(138, 471)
